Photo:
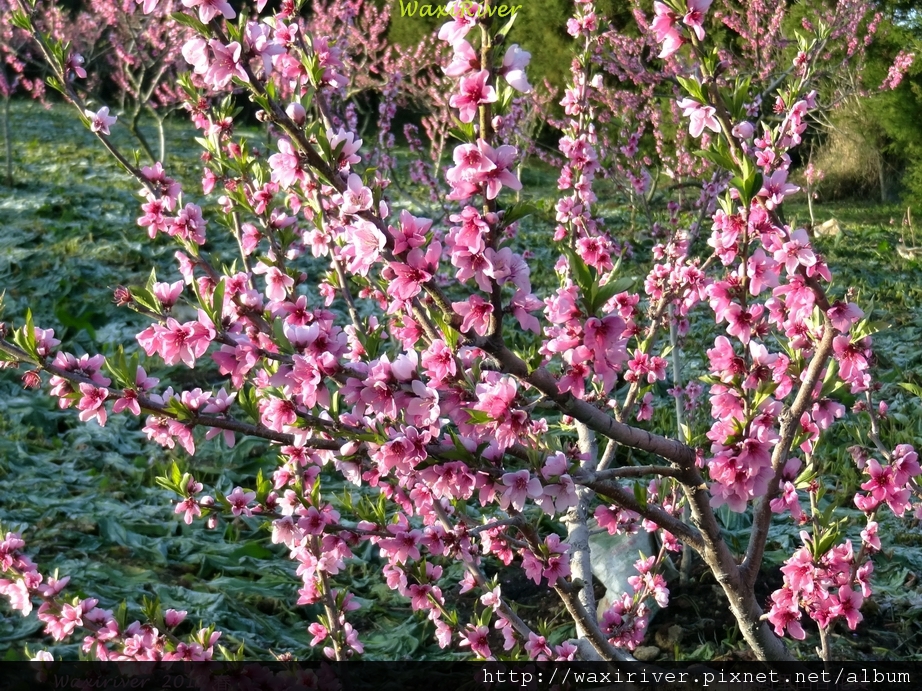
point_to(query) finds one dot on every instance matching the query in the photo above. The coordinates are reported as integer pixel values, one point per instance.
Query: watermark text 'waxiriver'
(465, 8)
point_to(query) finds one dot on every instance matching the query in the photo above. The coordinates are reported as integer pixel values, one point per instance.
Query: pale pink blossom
(209, 9)
(226, 64)
(520, 486)
(513, 69)
(91, 404)
(477, 314)
(100, 120)
(277, 283)
(356, 197)
(701, 117)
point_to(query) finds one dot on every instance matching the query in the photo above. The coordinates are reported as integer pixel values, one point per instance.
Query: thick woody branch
(638, 471)
(594, 418)
(715, 553)
(586, 624)
(658, 515)
(790, 425)
(576, 521)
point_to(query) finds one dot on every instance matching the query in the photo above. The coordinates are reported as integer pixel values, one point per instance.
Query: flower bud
(211, 522)
(174, 618)
(206, 501)
(31, 380)
(497, 122)
(296, 112)
(743, 130)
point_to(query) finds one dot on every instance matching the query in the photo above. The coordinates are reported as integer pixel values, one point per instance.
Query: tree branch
(790, 425)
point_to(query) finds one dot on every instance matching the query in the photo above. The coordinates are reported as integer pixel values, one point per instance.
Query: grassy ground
(86, 500)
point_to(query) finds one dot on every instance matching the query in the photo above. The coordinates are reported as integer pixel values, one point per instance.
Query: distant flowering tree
(897, 71)
(111, 46)
(423, 366)
(17, 56)
(141, 58)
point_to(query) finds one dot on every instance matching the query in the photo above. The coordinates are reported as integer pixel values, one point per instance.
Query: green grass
(85, 497)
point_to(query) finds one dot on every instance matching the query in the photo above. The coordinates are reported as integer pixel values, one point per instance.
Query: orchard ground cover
(68, 236)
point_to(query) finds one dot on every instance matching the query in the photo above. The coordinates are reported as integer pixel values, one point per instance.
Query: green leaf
(217, 304)
(464, 131)
(580, 271)
(190, 21)
(718, 158)
(175, 474)
(117, 367)
(479, 417)
(748, 182)
(605, 293)
(263, 486)
(247, 401)
(507, 27)
(517, 212)
(281, 340)
(177, 410)
(826, 542)
(21, 20)
(640, 494)
(692, 88)
(914, 389)
(145, 298)
(55, 84)
(25, 337)
(166, 484)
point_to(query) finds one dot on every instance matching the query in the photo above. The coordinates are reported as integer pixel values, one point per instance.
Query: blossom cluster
(105, 639)
(398, 368)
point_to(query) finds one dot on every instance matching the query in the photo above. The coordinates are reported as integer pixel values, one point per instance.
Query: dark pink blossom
(474, 91)
(476, 312)
(695, 16)
(226, 64)
(478, 638)
(91, 404)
